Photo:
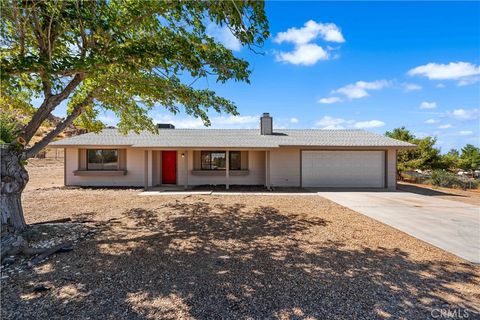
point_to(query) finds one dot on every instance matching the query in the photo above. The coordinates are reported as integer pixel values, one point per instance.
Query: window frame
(225, 155)
(102, 163)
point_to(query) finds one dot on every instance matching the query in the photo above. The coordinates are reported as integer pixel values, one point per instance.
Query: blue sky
(367, 65)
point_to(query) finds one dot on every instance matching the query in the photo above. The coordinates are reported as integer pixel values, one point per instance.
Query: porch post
(227, 170)
(145, 167)
(185, 164)
(267, 169)
(150, 168)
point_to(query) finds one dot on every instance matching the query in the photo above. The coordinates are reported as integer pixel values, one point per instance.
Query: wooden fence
(56, 154)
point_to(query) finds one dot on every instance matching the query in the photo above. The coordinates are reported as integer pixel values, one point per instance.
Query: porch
(174, 169)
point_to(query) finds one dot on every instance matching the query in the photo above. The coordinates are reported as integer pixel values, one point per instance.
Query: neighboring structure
(273, 158)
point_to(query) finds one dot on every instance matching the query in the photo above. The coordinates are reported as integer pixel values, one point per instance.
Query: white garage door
(343, 169)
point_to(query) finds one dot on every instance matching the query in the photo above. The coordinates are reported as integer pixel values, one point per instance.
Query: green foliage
(9, 127)
(401, 134)
(470, 158)
(447, 179)
(132, 56)
(443, 178)
(425, 156)
(450, 160)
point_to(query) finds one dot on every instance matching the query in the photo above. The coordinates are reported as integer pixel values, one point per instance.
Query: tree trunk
(14, 177)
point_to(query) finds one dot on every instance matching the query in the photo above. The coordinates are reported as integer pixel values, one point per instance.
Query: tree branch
(76, 112)
(48, 105)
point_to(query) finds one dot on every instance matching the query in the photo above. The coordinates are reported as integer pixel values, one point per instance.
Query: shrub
(447, 179)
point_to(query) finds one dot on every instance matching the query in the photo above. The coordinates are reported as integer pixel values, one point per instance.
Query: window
(98, 159)
(216, 160)
(235, 160)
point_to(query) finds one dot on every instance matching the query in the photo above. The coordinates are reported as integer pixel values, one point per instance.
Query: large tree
(470, 158)
(425, 156)
(124, 56)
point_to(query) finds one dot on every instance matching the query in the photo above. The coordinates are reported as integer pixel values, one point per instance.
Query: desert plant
(443, 178)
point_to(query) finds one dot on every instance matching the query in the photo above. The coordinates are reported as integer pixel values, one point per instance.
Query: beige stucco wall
(135, 162)
(256, 174)
(285, 168)
(391, 169)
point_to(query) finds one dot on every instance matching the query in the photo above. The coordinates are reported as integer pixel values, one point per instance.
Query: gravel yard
(229, 257)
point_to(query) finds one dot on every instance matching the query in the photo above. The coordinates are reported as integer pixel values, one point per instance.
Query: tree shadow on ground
(231, 262)
(425, 191)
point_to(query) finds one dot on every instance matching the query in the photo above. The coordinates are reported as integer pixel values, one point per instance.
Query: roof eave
(61, 146)
(348, 147)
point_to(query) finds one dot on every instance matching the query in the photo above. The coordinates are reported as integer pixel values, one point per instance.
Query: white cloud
(360, 89)
(468, 81)
(431, 121)
(309, 32)
(184, 122)
(440, 85)
(411, 87)
(328, 122)
(235, 120)
(368, 124)
(294, 120)
(422, 135)
(464, 72)
(224, 36)
(305, 54)
(464, 114)
(445, 126)
(219, 122)
(465, 133)
(428, 105)
(329, 100)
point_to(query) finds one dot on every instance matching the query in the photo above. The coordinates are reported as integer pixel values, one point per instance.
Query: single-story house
(265, 156)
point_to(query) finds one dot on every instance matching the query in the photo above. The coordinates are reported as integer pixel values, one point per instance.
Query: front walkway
(176, 190)
(449, 225)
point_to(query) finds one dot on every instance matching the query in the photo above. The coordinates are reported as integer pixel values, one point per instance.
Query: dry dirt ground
(466, 196)
(230, 257)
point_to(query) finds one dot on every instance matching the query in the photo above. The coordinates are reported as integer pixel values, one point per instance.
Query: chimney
(165, 126)
(266, 124)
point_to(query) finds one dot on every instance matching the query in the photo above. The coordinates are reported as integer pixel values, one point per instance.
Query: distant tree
(123, 56)
(470, 158)
(450, 159)
(425, 156)
(401, 134)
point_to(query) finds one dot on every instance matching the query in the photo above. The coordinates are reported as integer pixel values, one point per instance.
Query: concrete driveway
(449, 225)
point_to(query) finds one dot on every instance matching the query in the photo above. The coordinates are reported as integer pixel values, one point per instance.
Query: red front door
(169, 167)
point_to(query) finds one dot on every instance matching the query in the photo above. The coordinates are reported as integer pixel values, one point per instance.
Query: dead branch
(63, 220)
(64, 247)
(14, 245)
